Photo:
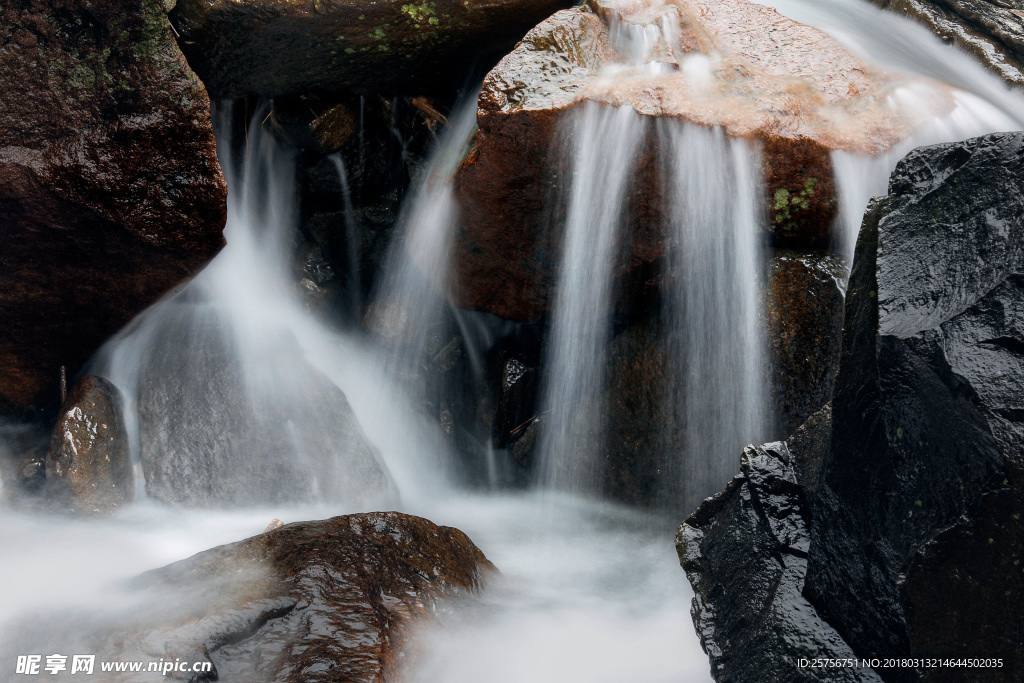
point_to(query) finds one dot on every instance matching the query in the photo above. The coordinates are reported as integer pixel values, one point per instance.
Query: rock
(96, 97)
(908, 507)
(276, 47)
(89, 466)
(215, 433)
(703, 71)
(310, 602)
(803, 305)
(925, 469)
(991, 30)
(745, 553)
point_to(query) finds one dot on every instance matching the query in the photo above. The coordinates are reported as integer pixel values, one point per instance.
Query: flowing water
(603, 146)
(232, 367)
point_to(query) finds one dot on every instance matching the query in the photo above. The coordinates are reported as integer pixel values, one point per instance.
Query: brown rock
(110, 191)
(277, 47)
(89, 466)
(331, 600)
(791, 90)
(803, 306)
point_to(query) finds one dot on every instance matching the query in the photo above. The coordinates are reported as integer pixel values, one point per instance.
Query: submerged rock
(991, 30)
(709, 66)
(110, 190)
(276, 47)
(89, 467)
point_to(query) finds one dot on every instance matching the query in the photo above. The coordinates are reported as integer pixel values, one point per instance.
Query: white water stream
(589, 592)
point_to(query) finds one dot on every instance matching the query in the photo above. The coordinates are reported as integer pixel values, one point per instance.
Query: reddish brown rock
(89, 466)
(110, 191)
(792, 91)
(278, 47)
(323, 601)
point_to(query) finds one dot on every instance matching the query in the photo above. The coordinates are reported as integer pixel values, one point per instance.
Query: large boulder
(926, 466)
(708, 66)
(991, 30)
(110, 190)
(89, 465)
(908, 510)
(307, 602)
(745, 552)
(277, 47)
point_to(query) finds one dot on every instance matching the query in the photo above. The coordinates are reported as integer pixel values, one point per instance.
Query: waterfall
(230, 382)
(712, 311)
(983, 103)
(603, 144)
(411, 293)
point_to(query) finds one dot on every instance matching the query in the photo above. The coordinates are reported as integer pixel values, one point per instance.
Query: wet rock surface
(320, 601)
(803, 305)
(910, 507)
(711, 67)
(88, 469)
(991, 30)
(745, 552)
(927, 411)
(276, 47)
(110, 191)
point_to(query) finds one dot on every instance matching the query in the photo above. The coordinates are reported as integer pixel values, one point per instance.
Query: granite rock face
(745, 552)
(110, 190)
(912, 504)
(277, 47)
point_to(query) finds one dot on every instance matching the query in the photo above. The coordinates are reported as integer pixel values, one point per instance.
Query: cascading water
(712, 308)
(231, 383)
(603, 150)
(982, 102)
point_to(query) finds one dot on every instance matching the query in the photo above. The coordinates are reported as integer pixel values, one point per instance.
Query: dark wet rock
(643, 442)
(89, 466)
(927, 409)
(352, 186)
(913, 501)
(507, 248)
(745, 553)
(991, 30)
(23, 449)
(803, 305)
(95, 96)
(207, 440)
(276, 47)
(307, 602)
